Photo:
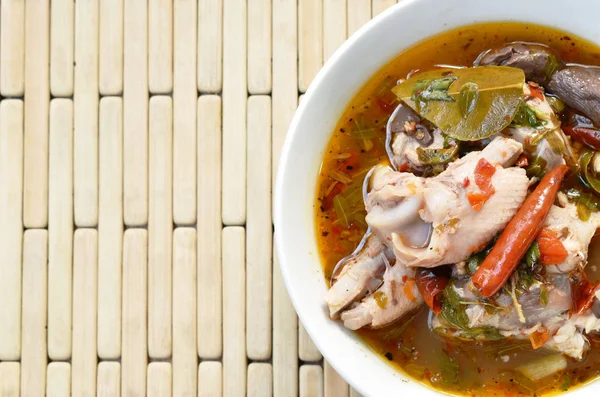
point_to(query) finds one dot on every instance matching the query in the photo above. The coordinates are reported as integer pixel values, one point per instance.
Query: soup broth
(357, 144)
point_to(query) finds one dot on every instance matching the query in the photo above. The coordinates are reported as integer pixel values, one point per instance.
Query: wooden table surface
(138, 144)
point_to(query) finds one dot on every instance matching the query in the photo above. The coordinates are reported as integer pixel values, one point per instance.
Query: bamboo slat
(35, 277)
(335, 386)
(184, 112)
(12, 48)
(159, 379)
(259, 47)
(210, 340)
(111, 47)
(185, 359)
(160, 46)
(310, 41)
(62, 52)
(334, 27)
(285, 338)
(285, 100)
(285, 65)
(160, 227)
(307, 351)
(358, 14)
(58, 377)
(259, 230)
(381, 5)
(260, 380)
(60, 230)
(135, 113)
(85, 298)
(37, 103)
(110, 227)
(210, 45)
(135, 281)
(234, 316)
(109, 379)
(311, 381)
(210, 382)
(10, 373)
(234, 112)
(11, 226)
(85, 155)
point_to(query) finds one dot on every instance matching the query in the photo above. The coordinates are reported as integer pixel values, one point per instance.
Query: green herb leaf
(448, 368)
(532, 256)
(537, 168)
(467, 98)
(499, 93)
(526, 116)
(589, 176)
(555, 103)
(432, 90)
(566, 383)
(544, 295)
(437, 156)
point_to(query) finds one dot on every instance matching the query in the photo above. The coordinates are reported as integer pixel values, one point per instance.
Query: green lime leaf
(483, 108)
(437, 156)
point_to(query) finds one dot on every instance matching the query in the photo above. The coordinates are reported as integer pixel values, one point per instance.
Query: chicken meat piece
(397, 296)
(546, 144)
(545, 305)
(359, 274)
(430, 222)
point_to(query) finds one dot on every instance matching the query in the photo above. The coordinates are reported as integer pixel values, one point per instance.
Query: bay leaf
(487, 104)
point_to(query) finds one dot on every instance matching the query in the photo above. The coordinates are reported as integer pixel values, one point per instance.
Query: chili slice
(431, 282)
(552, 251)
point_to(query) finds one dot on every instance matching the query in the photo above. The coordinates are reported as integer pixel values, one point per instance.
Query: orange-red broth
(410, 345)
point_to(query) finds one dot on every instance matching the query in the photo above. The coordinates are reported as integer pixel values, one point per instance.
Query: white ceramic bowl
(380, 40)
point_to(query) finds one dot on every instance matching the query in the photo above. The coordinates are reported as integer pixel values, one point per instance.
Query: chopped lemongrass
(543, 367)
(513, 295)
(366, 144)
(330, 188)
(340, 205)
(342, 156)
(340, 176)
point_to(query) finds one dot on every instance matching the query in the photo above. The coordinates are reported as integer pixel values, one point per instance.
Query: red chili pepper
(587, 135)
(518, 235)
(536, 92)
(522, 161)
(431, 283)
(404, 167)
(352, 161)
(583, 292)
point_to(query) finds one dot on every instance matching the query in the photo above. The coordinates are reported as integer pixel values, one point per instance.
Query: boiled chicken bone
(429, 222)
(397, 296)
(360, 274)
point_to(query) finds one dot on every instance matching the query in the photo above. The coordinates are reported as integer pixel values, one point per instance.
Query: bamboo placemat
(139, 140)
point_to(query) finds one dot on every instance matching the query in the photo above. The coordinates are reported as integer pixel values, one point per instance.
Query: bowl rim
(284, 163)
